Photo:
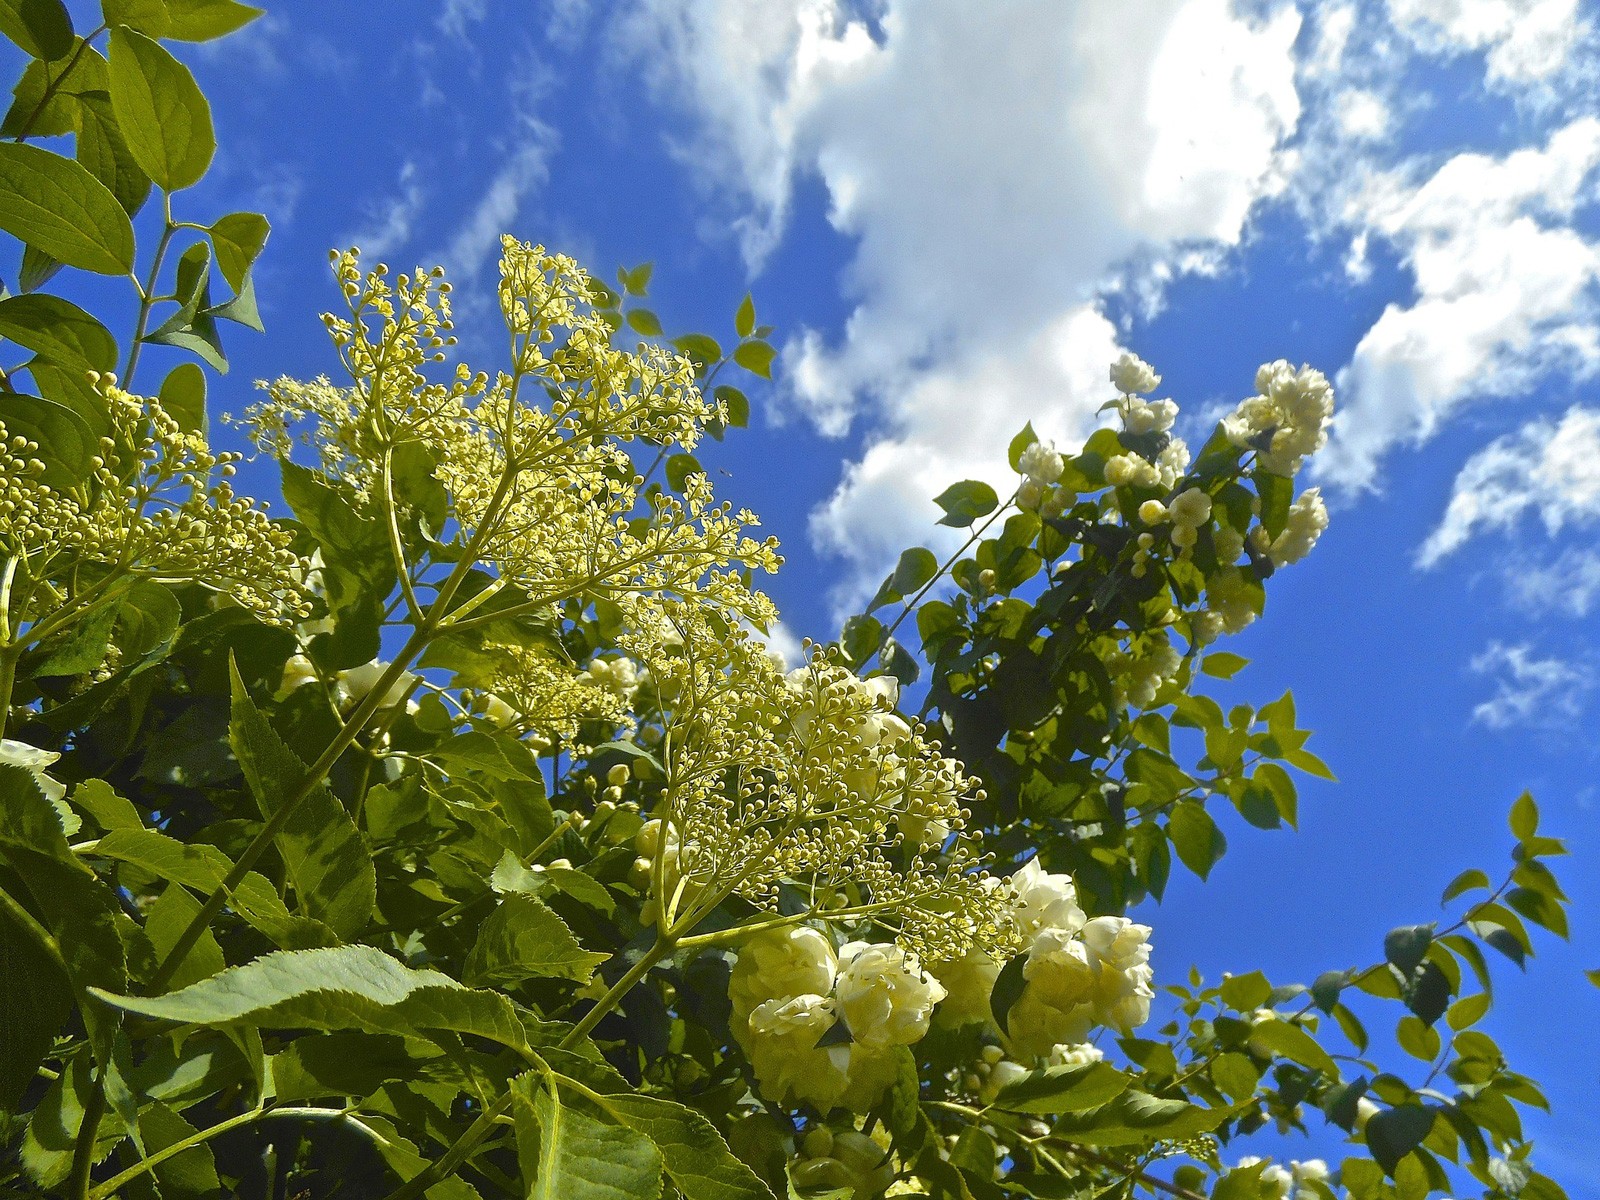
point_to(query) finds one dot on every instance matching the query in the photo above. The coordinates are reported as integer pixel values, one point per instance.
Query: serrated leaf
(56, 205)
(568, 1155)
(343, 987)
(163, 115)
(203, 868)
(697, 1160)
(326, 859)
(964, 502)
(35, 1013)
(522, 939)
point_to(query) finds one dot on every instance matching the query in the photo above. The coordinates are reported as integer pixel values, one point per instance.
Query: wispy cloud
(1567, 585)
(388, 226)
(1547, 468)
(1546, 693)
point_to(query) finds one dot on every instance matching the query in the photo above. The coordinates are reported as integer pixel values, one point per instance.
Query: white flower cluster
(1288, 418)
(1131, 375)
(790, 988)
(1079, 973)
(1287, 1183)
(1133, 470)
(1040, 466)
(1138, 672)
(1308, 517)
(351, 687)
(619, 676)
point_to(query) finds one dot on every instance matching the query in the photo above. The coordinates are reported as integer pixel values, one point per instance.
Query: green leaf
(149, 17)
(238, 239)
(1277, 494)
(698, 347)
(59, 330)
(1135, 1118)
(643, 321)
(41, 115)
(343, 987)
(1021, 442)
(744, 319)
(755, 357)
(1396, 1132)
(736, 404)
(1246, 993)
(55, 205)
(165, 921)
(1195, 837)
(1406, 946)
(915, 568)
(74, 906)
(1294, 1043)
(568, 1155)
(35, 1013)
(183, 395)
(1056, 1090)
(1007, 990)
(1223, 665)
(37, 269)
(697, 1160)
(1467, 1011)
(523, 939)
(637, 281)
(203, 868)
(963, 503)
(105, 154)
(1524, 817)
(188, 1175)
(163, 114)
(679, 468)
(327, 861)
(203, 20)
(192, 327)
(42, 28)
(1469, 879)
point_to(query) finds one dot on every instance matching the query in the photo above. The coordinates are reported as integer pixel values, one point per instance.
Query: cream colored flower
(882, 996)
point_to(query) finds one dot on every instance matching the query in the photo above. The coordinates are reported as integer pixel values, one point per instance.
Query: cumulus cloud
(1548, 468)
(1504, 291)
(997, 167)
(1529, 690)
(1523, 40)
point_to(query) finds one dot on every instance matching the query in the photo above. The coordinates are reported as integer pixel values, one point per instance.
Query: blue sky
(956, 214)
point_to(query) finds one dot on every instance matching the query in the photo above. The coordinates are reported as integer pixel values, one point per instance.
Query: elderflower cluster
(819, 1026)
(1287, 419)
(156, 504)
(808, 779)
(529, 465)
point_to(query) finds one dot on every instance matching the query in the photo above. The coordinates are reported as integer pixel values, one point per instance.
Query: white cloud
(456, 17)
(1525, 40)
(1568, 584)
(1504, 287)
(997, 166)
(1548, 468)
(389, 225)
(1533, 691)
(1361, 115)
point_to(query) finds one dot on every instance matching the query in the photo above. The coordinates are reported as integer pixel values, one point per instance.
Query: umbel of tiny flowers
(155, 505)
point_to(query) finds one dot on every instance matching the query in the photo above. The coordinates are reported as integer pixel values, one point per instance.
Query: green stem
(110, 1186)
(88, 1133)
(8, 683)
(53, 86)
(146, 293)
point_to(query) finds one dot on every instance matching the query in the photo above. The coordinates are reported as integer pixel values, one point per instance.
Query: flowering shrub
(460, 836)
